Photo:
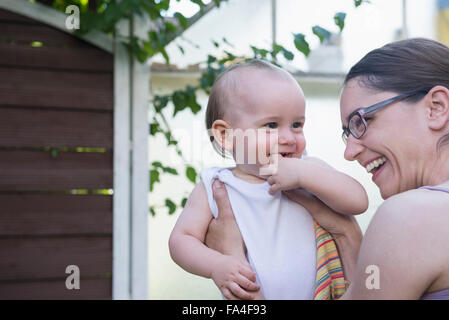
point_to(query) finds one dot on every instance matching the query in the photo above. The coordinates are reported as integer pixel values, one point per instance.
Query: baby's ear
(222, 133)
(438, 108)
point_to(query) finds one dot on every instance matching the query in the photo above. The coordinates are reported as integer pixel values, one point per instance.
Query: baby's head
(256, 101)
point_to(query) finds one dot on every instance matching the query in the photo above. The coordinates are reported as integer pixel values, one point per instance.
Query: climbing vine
(103, 15)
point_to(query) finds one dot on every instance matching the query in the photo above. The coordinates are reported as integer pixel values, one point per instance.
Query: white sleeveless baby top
(278, 233)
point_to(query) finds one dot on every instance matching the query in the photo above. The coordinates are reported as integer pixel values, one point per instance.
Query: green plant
(103, 15)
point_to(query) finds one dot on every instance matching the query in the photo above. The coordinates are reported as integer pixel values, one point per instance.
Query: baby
(260, 98)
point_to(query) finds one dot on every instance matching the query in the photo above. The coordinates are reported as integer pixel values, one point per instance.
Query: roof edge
(56, 19)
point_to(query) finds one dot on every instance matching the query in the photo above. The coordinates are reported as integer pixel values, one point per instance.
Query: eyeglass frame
(361, 112)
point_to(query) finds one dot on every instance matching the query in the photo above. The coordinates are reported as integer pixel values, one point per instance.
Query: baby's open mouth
(286, 154)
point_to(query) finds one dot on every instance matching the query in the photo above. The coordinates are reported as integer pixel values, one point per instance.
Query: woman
(395, 115)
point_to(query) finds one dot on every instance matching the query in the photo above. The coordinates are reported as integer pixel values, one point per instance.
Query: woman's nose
(353, 148)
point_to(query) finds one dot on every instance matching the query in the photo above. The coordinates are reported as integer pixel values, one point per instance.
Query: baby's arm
(337, 190)
(188, 250)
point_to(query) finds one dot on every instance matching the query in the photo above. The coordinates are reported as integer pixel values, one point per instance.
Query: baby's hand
(234, 278)
(287, 175)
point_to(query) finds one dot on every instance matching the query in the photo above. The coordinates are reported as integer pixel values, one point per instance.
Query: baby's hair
(219, 95)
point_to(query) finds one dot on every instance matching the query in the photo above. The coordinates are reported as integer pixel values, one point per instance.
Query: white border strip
(140, 171)
(121, 266)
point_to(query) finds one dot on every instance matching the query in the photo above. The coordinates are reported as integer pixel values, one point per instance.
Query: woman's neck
(438, 171)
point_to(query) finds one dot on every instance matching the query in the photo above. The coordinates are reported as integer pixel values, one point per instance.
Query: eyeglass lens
(356, 125)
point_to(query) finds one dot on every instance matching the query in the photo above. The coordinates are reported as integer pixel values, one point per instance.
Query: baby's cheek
(264, 145)
(300, 144)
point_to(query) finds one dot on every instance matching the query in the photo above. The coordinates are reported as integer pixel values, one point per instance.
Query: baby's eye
(271, 125)
(297, 125)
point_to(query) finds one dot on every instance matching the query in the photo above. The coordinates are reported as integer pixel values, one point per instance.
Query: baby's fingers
(274, 188)
(247, 284)
(228, 294)
(237, 291)
(248, 272)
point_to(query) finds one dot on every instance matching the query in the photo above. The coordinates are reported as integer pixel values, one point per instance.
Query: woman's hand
(334, 222)
(223, 234)
(344, 228)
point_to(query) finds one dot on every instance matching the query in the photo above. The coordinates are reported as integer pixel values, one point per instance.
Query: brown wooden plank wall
(56, 91)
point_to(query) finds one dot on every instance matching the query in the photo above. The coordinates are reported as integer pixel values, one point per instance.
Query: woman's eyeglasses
(356, 120)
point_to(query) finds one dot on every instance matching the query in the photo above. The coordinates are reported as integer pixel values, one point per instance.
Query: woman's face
(391, 141)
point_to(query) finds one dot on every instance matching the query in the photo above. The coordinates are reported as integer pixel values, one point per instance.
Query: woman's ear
(222, 133)
(438, 108)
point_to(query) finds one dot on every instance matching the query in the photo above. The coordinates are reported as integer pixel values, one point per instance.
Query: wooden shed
(73, 159)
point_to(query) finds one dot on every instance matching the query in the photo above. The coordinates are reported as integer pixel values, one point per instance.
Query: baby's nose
(286, 138)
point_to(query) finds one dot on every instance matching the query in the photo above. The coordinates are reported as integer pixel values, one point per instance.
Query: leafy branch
(104, 15)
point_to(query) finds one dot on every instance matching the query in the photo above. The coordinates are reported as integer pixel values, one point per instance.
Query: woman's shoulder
(416, 203)
(414, 212)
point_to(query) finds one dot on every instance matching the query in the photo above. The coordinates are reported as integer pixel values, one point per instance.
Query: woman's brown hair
(415, 64)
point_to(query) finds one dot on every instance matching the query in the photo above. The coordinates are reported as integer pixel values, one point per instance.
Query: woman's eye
(297, 125)
(271, 125)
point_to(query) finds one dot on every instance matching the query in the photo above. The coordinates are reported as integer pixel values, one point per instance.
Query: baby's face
(269, 112)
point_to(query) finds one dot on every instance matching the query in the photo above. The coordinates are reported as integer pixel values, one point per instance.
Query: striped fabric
(330, 281)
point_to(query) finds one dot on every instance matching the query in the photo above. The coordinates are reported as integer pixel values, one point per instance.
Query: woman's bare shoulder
(416, 204)
(417, 217)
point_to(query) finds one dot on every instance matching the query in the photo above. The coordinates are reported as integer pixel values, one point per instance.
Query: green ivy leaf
(170, 170)
(259, 53)
(179, 101)
(153, 213)
(160, 102)
(183, 21)
(198, 2)
(321, 33)
(183, 202)
(211, 59)
(154, 177)
(360, 2)
(157, 164)
(339, 19)
(191, 99)
(191, 174)
(171, 206)
(170, 27)
(154, 128)
(169, 138)
(301, 44)
(288, 54)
